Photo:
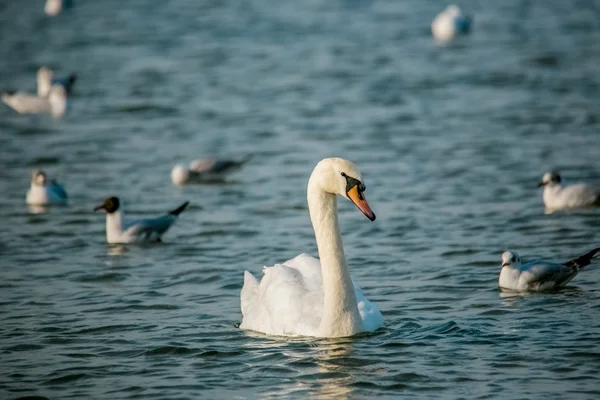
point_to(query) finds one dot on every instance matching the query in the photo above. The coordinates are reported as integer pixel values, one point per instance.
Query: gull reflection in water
(37, 209)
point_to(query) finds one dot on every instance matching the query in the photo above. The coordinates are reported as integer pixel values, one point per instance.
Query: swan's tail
(248, 292)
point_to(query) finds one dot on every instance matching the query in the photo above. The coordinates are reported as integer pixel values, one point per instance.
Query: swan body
(309, 297)
(204, 170)
(24, 103)
(558, 197)
(450, 24)
(44, 192)
(538, 276)
(118, 230)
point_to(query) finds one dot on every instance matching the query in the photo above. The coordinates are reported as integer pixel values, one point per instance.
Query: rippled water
(451, 142)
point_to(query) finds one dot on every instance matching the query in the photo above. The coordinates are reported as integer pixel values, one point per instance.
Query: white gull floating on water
(55, 7)
(204, 170)
(118, 230)
(538, 276)
(558, 197)
(450, 24)
(43, 191)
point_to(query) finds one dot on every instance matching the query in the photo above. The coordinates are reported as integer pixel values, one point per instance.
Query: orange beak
(358, 198)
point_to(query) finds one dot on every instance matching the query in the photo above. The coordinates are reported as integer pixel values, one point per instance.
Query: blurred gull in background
(205, 170)
(54, 7)
(44, 192)
(557, 197)
(450, 24)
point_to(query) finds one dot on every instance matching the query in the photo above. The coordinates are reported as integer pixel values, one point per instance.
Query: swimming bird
(538, 276)
(44, 191)
(23, 103)
(46, 78)
(54, 7)
(557, 197)
(204, 170)
(305, 296)
(451, 23)
(139, 231)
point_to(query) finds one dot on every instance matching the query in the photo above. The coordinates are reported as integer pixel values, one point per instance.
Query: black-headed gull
(44, 191)
(24, 103)
(144, 230)
(558, 197)
(204, 170)
(451, 23)
(538, 276)
(54, 7)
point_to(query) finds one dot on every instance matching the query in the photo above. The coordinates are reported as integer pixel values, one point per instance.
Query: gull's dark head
(550, 179)
(110, 205)
(39, 178)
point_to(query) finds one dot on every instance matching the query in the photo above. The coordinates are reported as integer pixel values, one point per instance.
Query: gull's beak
(361, 202)
(541, 183)
(100, 207)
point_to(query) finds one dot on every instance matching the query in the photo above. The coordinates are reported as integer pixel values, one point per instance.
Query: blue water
(451, 142)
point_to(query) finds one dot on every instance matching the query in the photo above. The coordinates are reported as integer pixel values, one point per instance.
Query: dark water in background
(451, 142)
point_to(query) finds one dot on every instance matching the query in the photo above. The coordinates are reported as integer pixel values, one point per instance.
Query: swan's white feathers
(288, 301)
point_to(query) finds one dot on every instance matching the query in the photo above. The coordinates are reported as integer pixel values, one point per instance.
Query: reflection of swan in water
(330, 378)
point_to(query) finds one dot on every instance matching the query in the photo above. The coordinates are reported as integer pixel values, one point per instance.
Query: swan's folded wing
(369, 312)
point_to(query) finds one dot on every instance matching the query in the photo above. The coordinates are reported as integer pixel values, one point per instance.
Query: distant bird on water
(450, 24)
(538, 276)
(558, 197)
(46, 78)
(205, 170)
(55, 7)
(44, 191)
(118, 230)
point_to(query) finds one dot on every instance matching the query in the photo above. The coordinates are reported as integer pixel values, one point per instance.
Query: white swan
(558, 197)
(304, 296)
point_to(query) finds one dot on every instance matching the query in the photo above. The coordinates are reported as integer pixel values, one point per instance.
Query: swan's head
(550, 179)
(180, 174)
(38, 177)
(110, 205)
(510, 259)
(339, 176)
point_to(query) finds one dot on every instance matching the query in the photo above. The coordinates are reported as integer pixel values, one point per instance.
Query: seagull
(558, 197)
(451, 23)
(204, 170)
(45, 80)
(24, 103)
(538, 276)
(54, 7)
(145, 230)
(44, 192)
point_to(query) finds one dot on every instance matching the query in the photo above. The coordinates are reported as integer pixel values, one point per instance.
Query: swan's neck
(114, 225)
(340, 310)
